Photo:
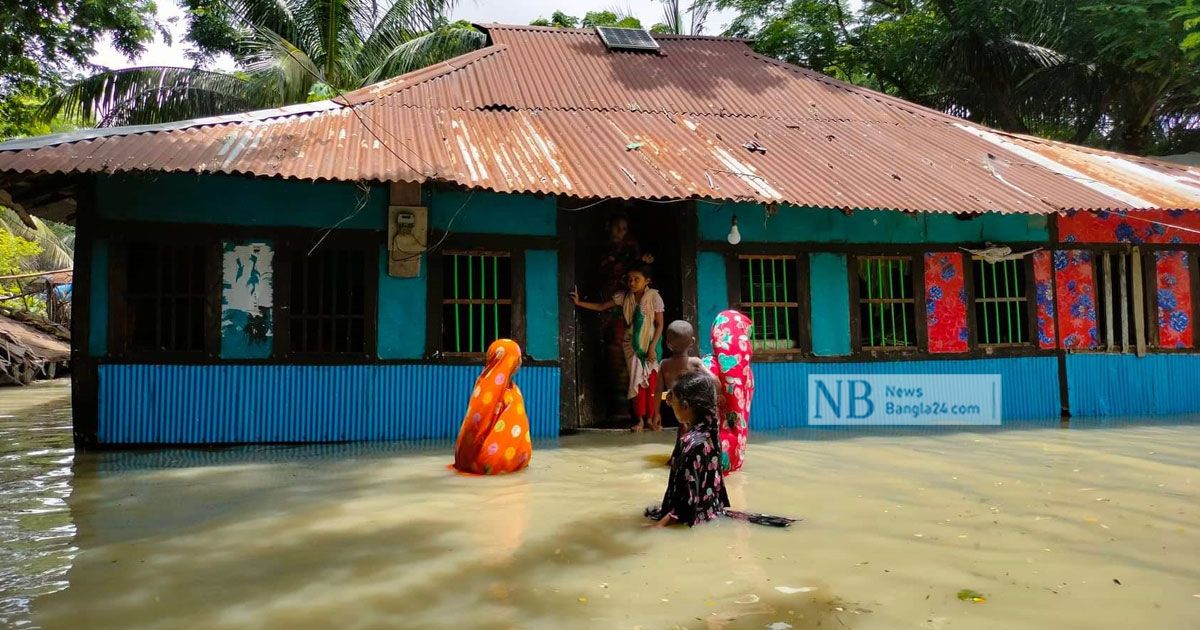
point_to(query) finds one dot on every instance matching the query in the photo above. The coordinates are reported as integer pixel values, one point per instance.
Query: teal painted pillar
(541, 304)
(830, 290)
(712, 294)
(401, 312)
(97, 342)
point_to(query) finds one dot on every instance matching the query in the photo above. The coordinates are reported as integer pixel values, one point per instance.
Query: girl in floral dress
(696, 488)
(642, 309)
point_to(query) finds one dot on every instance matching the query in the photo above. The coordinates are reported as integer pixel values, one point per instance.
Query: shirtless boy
(681, 339)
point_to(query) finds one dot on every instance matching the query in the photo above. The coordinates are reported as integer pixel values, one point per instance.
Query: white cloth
(994, 254)
(639, 369)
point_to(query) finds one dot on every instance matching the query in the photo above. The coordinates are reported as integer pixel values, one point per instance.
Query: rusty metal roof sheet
(553, 111)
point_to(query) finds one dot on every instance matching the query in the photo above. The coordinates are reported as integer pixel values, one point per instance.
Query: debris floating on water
(968, 595)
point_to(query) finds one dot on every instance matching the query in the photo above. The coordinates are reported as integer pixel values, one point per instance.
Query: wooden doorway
(667, 231)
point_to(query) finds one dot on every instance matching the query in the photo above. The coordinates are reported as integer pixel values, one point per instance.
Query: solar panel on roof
(626, 38)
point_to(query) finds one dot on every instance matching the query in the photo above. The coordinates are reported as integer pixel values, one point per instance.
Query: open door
(598, 363)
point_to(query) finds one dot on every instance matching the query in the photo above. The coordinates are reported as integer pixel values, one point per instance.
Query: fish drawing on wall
(246, 291)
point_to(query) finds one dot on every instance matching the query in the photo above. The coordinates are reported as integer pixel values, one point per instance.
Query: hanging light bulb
(735, 236)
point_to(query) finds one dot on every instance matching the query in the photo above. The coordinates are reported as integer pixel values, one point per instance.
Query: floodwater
(1088, 527)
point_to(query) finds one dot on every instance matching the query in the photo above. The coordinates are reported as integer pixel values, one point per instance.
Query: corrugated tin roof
(554, 111)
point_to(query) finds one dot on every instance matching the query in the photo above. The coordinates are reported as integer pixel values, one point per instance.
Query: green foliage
(55, 242)
(15, 254)
(558, 20)
(802, 32)
(590, 20)
(19, 114)
(41, 39)
(609, 18)
(1120, 74)
(288, 51)
(320, 92)
(1189, 13)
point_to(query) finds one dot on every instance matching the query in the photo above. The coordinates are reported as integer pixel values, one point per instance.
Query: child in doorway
(642, 308)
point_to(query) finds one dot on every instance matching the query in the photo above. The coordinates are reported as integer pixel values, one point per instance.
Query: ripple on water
(35, 472)
(1090, 527)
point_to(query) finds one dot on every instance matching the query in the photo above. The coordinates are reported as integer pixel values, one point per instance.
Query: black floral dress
(696, 488)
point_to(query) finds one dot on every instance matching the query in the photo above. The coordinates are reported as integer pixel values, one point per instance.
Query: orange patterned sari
(494, 438)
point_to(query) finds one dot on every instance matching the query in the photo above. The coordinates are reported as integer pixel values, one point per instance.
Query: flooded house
(334, 270)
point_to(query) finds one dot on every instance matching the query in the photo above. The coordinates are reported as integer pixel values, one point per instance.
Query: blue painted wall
(813, 225)
(493, 213)
(97, 342)
(829, 283)
(402, 312)
(712, 294)
(1125, 385)
(213, 404)
(830, 290)
(1029, 386)
(231, 200)
(541, 304)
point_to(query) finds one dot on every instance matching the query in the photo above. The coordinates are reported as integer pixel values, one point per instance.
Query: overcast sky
(501, 11)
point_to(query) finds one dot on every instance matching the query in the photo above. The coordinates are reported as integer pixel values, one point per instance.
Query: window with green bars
(1001, 303)
(477, 301)
(769, 297)
(887, 305)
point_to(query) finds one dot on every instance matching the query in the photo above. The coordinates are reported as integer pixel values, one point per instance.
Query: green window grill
(887, 305)
(1001, 303)
(769, 297)
(477, 301)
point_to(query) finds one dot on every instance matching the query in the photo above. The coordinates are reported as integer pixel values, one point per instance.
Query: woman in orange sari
(494, 438)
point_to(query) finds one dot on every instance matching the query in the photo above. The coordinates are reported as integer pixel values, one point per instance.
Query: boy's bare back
(675, 367)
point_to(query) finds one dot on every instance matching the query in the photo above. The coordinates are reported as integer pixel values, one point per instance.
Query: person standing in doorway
(642, 312)
(621, 253)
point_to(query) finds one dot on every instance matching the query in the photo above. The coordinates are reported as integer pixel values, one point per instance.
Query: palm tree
(673, 17)
(288, 51)
(56, 252)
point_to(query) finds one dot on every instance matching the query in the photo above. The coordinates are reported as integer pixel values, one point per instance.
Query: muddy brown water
(1096, 526)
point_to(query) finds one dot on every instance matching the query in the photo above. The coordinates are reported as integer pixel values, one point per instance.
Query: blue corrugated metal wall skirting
(1124, 385)
(213, 404)
(1029, 386)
